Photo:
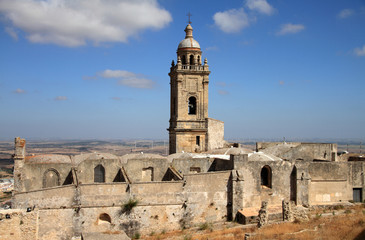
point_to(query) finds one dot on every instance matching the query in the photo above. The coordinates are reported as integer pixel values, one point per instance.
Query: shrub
(136, 236)
(205, 226)
(347, 211)
(128, 206)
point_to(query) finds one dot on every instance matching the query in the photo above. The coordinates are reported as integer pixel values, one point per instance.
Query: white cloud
(223, 92)
(231, 21)
(345, 13)
(60, 98)
(136, 82)
(290, 29)
(116, 74)
(261, 6)
(76, 22)
(19, 91)
(12, 33)
(360, 51)
(128, 79)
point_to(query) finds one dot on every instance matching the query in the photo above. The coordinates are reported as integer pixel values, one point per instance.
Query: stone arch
(192, 105)
(51, 178)
(99, 173)
(266, 176)
(104, 218)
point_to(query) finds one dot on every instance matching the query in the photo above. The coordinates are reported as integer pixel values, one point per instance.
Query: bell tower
(189, 80)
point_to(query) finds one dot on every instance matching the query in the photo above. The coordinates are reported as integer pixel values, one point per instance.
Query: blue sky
(98, 69)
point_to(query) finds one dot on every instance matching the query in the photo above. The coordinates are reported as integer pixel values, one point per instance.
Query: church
(203, 180)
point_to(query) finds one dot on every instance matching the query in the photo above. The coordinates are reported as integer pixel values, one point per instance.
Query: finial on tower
(189, 15)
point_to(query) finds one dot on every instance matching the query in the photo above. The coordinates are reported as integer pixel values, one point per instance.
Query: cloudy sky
(85, 69)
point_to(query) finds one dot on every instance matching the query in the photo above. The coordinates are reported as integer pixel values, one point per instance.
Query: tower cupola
(189, 42)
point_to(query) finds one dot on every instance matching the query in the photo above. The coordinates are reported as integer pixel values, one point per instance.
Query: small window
(99, 173)
(266, 176)
(198, 140)
(191, 59)
(192, 106)
(199, 60)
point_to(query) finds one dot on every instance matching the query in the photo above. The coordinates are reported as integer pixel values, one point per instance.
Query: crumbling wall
(18, 224)
(206, 197)
(55, 197)
(300, 151)
(329, 182)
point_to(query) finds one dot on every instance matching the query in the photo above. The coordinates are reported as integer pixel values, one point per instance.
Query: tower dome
(189, 41)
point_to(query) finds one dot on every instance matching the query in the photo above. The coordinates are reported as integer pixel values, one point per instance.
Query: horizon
(100, 71)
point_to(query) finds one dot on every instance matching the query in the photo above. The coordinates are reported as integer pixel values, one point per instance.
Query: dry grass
(340, 226)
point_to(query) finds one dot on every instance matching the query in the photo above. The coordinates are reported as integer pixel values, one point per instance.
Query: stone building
(190, 128)
(91, 194)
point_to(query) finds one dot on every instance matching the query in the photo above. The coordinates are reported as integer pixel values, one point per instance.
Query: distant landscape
(122, 147)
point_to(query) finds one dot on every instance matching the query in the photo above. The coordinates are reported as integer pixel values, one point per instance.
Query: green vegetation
(129, 205)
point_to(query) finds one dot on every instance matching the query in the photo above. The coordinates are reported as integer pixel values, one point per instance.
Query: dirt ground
(325, 224)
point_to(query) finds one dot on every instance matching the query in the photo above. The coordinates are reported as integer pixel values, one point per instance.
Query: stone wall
(55, 197)
(215, 134)
(329, 183)
(300, 151)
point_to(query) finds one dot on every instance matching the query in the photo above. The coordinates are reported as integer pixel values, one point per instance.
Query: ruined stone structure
(95, 193)
(190, 128)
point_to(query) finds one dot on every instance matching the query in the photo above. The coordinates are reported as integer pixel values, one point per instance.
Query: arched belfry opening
(266, 177)
(198, 60)
(191, 61)
(192, 105)
(183, 60)
(99, 174)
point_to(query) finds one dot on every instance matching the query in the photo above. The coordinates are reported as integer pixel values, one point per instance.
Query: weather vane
(189, 15)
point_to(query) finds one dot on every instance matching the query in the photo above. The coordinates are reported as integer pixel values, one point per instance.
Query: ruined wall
(300, 151)
(187, 166)
(145, 170)
(215, 134)
(85, 169)
(329, 182)
(55, 197)
(103, 194)
(206, 197)
(21, 225)
(254, 193)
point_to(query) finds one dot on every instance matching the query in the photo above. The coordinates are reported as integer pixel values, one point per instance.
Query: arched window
(266, 176)
(99, 173)
(51, 178)
(183, 60)
(192, 105)
(199, 60)
(191, 60)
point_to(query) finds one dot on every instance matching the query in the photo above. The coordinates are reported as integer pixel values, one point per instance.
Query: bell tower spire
(189, 81)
